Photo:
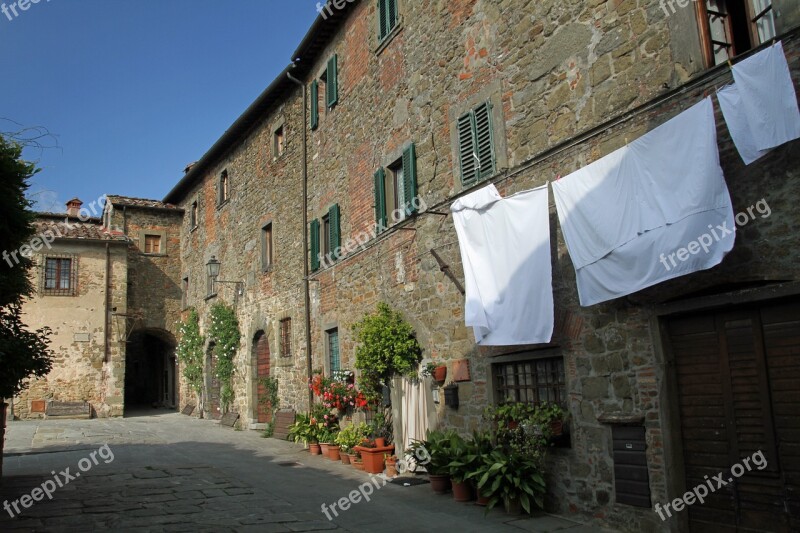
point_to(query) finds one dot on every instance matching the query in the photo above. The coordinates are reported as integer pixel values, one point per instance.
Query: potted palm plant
(464, 459)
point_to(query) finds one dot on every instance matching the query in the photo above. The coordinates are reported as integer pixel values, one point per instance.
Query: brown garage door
(739, 390)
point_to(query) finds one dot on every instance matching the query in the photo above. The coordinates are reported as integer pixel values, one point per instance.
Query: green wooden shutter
(332, 81)
(314, 104)
(484, 140)
(466, 149)
(410, 179)
(383, 19)
(380, 199)
(314, 245)
(391, 9)
(335, 231)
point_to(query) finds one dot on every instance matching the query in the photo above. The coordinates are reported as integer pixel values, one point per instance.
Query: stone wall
(81, 370)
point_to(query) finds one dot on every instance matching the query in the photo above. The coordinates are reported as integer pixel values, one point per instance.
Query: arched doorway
(213, 387)
(150, 370)
(261, 361)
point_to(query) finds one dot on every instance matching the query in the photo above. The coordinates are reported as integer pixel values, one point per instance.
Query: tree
(23, 353)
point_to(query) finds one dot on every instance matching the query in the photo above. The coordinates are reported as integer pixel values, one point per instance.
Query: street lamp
(212, 268)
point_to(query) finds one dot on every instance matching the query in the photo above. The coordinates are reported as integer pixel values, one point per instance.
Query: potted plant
(373, 455)
(300, 430)
(437, 372)
(512, 478)
(511, 414)
(357, 461)
(464, 460)
(380, 429)
(484, 445)
(391, 465)
(550, 418)
(436, 446)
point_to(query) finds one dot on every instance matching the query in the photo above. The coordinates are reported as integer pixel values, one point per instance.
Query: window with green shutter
(334, 237)
(410, 180)
(314, 245)
(396, 189)
(314, 104)
(387, 18)
(380, 199)
(332, 81)
(476, 144)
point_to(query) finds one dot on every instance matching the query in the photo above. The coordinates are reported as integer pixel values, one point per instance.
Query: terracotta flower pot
(324, 446)
(440, 373)
(557, 428)
(358, 464)
(380, 442)
(391, 466)
(373, 457)
(483, 501)
(345, 457)
(315, 448)
(462, 492)
(439, 484)
(333, 453)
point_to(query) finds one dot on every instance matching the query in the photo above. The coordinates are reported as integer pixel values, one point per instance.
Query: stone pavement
(168, 472)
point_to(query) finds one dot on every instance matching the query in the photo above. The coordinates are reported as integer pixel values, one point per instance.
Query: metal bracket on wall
(444, 267)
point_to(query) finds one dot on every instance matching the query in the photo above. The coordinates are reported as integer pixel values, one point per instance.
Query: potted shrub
(464, 460)
(550, 418)
(391, 465)
(348, 438)
(356, 461)
(483, 447)
(437, 372)
(510, 415)
(512, 478)
(436, 446)
(373, 455)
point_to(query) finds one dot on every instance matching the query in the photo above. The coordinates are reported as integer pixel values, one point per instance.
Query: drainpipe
(108, 304)
(306, 288)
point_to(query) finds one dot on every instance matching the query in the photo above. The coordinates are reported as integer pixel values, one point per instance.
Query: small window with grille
(531, 381)
(59, 275)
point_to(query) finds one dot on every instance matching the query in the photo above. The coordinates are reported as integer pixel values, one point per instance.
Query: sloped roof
(140, 202)
(64, 227)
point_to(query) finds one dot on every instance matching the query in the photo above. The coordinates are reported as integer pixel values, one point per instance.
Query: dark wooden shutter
(410, 179)
(380, 199)
(484, 140)
(332, 81)
(387, 17)
(391, 8)
(631, 480)
(335, 232)
(314, 104)
(466, 149)
(315, 245)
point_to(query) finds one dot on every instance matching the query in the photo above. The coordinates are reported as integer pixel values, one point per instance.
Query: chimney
(74, 207)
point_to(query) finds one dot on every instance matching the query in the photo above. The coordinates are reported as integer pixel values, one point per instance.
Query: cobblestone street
(168, 472)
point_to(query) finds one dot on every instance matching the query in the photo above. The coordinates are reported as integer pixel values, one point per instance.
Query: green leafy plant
(190, 351)
(224, 333)
(437, 446)
(301, 430)
(506, 476)
(428, 370)
(386, 347)
(351, 436)
(381, 427)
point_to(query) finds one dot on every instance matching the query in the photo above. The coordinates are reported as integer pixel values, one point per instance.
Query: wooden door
(738, 376)
(261, 352)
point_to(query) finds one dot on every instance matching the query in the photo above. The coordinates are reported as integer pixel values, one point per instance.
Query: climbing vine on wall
(190, 351)
(224, 333)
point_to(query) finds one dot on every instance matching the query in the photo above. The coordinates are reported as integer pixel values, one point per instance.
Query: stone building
(396, 93)
(80, 277)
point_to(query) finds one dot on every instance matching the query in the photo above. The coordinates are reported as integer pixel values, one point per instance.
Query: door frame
(669, 406)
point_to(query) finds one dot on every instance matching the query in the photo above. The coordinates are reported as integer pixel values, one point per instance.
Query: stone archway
(151, 380)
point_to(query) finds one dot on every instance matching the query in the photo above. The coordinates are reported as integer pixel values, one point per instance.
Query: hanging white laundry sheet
(505, 250)
(765, 114)
(730, 101)
(623, 215)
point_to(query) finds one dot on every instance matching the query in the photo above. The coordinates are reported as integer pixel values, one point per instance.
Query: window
(152, 244)
(332, 82)
(286, 337)
(59, 276)
(193, 215)
(531, 381)
(387, 18)
(333, 350)
(396, 190)
(224, 188)
(266, 247)
(326, 238)
(185, 292)
(476, 144)
(278, 142)
(314, 104)
(732, 27)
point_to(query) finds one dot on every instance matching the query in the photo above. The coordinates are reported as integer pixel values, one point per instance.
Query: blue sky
(135, 90)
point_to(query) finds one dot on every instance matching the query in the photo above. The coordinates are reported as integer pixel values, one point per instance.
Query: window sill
(210, 297)
(384, 44)
(154, 255)
(223, 204)
(194, 228)
(268, 270)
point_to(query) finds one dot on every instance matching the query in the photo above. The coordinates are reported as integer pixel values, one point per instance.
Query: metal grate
(533, 381)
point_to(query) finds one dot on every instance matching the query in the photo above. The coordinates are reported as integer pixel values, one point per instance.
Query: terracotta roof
(72, 228)
(140, 202)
